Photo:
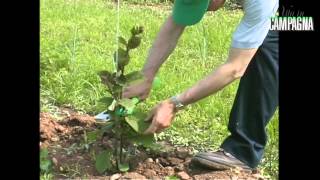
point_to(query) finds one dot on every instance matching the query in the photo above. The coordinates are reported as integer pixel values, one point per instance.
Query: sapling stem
(121, 143)
(115, 83)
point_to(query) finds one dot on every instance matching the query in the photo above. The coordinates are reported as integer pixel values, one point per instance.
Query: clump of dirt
(79, 120)
(52, 130)
(72, 158)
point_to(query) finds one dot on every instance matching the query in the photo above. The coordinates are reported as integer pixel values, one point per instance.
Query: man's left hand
(161, 116)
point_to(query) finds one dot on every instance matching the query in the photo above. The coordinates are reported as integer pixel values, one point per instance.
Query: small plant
(126, 122)
(171, 178)
(45, 162)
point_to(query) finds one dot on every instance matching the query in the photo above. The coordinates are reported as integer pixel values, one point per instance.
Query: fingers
(152, 128)
(159, 131)
(151, 114)
(161, 117)
(129, 92)
(214, 5)
(143, 96)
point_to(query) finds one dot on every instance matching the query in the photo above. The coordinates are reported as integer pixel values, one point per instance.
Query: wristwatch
(177, 103)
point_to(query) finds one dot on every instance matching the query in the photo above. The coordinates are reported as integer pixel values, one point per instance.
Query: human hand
(215, 5)
(161, 116)
(140, 90)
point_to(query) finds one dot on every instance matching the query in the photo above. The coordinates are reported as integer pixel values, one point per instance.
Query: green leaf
(123, 58)
(136, 30)
(117, 89)
(130, 111)
(103, 161)
(155, 146)
(120, 112)
(106, 100)
(135, 100)
(123, 167)
(134, 77)
(93, 136)
(145, 140)
(136, 121)
(127, 103)
(122, 41)
(134, 42)
(135, 39)
(107, 127)
(112, 105)
(107, 79)
(121, 80)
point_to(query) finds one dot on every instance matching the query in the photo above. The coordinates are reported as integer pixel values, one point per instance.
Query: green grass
(78, 39)
(47, 176)
(148, 1)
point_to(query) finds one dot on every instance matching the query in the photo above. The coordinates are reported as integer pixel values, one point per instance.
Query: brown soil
(71, 158)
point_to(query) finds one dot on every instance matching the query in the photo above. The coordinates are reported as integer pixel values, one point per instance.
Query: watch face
(178, 105)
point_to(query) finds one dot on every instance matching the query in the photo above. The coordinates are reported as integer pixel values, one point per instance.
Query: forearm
(233, 69)
(215, 81)
(163, 46)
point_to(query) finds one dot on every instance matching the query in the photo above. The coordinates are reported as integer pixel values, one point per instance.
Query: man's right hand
(140, 90)
(214, 5)
(162, 47)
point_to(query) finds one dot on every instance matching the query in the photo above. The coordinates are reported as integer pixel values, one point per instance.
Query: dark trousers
(255, 103)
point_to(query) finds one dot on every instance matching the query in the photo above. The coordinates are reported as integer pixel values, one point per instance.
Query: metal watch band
(177, 103)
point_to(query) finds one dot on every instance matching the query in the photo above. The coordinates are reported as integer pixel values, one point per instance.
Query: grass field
(78, 39)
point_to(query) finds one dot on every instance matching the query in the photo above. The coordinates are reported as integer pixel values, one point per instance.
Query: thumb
(126, 93)
(143, 96)
(150, 115)
(152, 128)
